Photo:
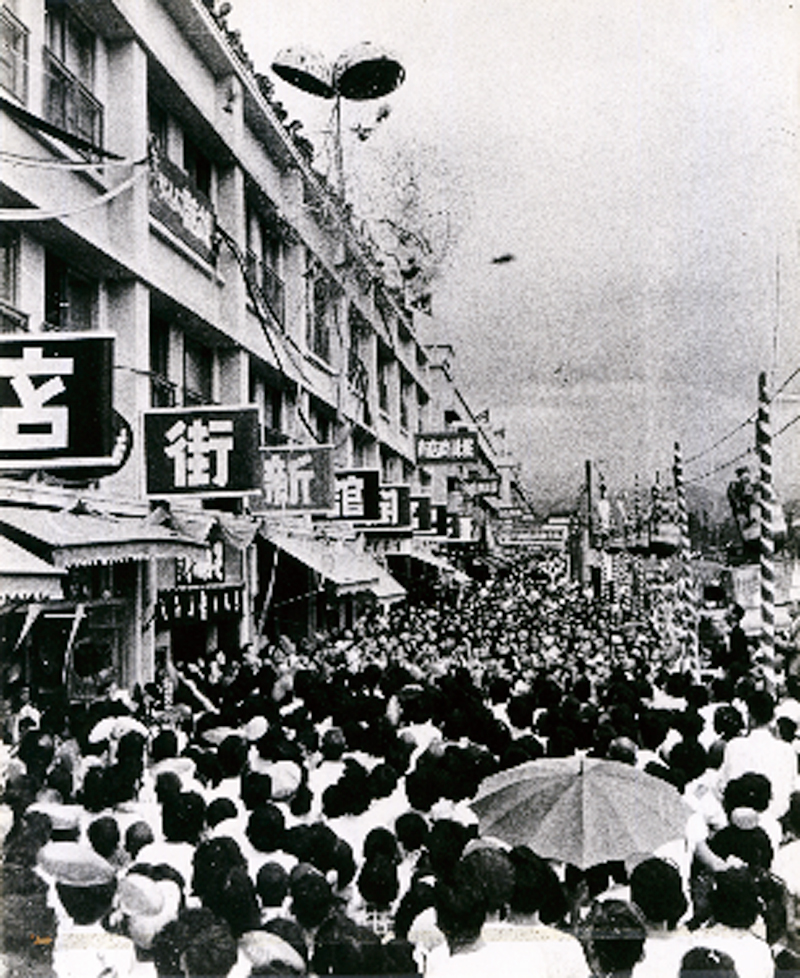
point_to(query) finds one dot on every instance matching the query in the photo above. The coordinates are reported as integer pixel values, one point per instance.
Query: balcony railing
(162, 391)
(13, 55)
(12, 320)
(270, 285)
(69, 104)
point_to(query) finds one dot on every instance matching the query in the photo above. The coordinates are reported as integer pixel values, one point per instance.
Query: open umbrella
(580, 810)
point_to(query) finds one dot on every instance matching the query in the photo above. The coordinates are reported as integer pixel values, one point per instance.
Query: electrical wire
(744, 423)
(741, 455)
(35, 214)
(19, 159)
(251, 291)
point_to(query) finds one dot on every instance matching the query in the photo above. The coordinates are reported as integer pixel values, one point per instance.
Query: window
(383, 387)
(197, 373)
(9, 264)
(162, 390)
(11, 320)
(322, 315)
(405, 393)
(69, 298)
(13, 55)
(157, 127)
(69, 76)
(265, 258)
(197, 165)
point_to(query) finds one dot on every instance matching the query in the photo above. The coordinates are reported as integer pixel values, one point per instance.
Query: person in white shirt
(760, 751)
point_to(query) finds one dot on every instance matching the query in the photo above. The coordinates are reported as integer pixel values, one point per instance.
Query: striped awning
(24, 576)
(64, 538)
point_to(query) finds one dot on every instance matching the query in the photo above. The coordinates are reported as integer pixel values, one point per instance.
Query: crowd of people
(305, 809)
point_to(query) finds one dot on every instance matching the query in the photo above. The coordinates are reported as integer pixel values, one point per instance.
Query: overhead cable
(35, 214)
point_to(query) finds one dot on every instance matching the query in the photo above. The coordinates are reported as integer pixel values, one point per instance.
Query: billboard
(56, 401)
(447, 446)
(204, 451)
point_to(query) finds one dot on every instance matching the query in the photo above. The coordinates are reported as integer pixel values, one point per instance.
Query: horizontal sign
(447, 446)
(357, 494)
(199, 603)
(487, 486)
(522, 534)
(297, 480)
(204, 451)
(56, 407)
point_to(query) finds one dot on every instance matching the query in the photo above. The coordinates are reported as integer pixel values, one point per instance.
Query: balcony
(267, 281)
(69, 104)
(13, 55)
(11, 320)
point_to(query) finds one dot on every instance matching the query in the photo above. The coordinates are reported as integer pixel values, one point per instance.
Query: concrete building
(153, 193)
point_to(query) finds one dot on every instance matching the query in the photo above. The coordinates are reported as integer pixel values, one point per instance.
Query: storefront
(86, 620)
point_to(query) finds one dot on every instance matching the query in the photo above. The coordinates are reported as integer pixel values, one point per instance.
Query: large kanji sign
(206, 451)
(56, 401)
(297, 480)
(358, 494)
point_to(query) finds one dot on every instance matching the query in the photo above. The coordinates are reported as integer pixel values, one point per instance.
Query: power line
(741, 455)
(743, 424)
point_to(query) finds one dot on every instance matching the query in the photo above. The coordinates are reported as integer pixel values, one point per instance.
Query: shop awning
(351, 572)
(24, 576)
(69, 539)
(439, 563)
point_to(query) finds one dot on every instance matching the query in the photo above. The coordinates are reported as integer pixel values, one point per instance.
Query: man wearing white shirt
(764, 753)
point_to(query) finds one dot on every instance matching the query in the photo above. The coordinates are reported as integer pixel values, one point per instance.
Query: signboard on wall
(56, 401)
(357, 494)
(297, 480)
(421, 514)
(203, 451)
(447, 447)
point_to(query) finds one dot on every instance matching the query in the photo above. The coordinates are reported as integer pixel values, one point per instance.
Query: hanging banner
(56, 407)
(205, 451)
(357, 494)
(447, 446)
(296, 480)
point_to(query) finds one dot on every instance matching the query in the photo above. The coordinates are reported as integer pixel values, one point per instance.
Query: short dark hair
(460, 910)
(734, 899)
(197, 939)
(617, 934)
(657, 890)
(761, 707)
(705, 962)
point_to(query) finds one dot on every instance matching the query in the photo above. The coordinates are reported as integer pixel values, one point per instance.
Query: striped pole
(766, 504)
(687, 610)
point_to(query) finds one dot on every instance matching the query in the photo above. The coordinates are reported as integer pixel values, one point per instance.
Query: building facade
(155, 198)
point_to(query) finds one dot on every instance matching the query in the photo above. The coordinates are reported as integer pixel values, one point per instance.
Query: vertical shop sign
(358, 494)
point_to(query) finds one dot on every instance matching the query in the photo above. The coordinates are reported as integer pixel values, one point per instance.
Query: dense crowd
(305, 809)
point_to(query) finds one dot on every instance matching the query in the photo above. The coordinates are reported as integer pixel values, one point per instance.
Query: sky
(641, 163)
